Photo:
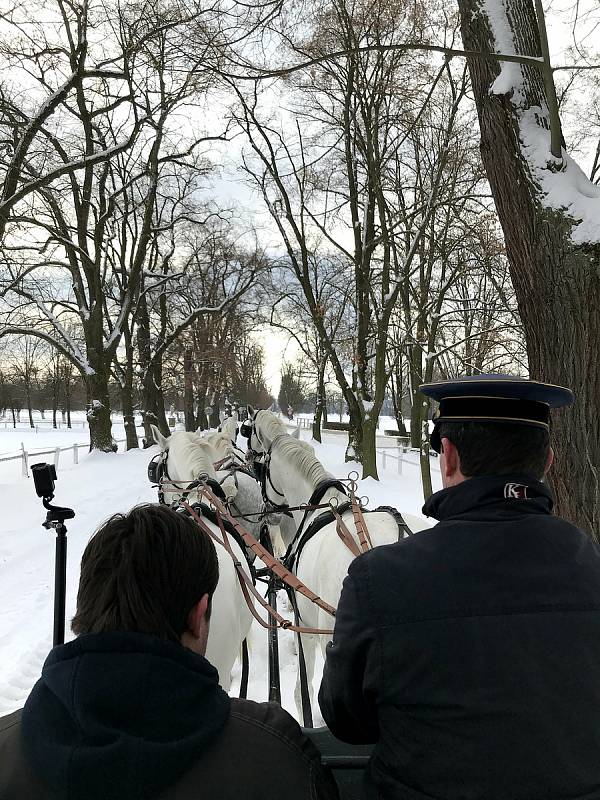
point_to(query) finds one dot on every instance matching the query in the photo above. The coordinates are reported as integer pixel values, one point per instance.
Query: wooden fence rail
(25, 455)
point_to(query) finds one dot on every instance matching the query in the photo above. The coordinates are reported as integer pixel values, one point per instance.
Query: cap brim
(500, 387)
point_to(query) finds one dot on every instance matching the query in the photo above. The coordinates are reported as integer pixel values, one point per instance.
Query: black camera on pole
(44, 476)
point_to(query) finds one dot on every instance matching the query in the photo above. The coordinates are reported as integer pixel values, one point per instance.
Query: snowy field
(98, 486)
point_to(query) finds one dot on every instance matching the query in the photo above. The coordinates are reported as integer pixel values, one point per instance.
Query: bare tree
(335, 178)
(62, 256)
(214, 275)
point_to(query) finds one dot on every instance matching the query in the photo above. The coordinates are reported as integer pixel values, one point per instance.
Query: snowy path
(100, 485)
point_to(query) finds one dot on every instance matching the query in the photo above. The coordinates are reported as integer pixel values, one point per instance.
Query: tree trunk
(320, 403)
(214, 419)
(416, 410)
(131, 438)
(188, 397)
(369, 447)
(29, 408)
(126, 380)
(55, 394)
(556, 279)
(354, 446)
(396, 392)
(425, 464)
(68, 402)
(153, 409)
(201, 422)
(98, 413)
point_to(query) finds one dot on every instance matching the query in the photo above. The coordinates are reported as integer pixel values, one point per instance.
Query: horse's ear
(160, 440)
(250, 411)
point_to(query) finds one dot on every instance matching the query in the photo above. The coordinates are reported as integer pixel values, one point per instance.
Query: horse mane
(221, 442)
(302, 455)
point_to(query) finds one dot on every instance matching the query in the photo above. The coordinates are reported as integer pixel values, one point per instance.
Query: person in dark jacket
(470, 653)
(131, 708)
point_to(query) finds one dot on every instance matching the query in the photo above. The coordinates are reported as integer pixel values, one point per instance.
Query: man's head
(470, 449)
(493, 425)
(149, 571)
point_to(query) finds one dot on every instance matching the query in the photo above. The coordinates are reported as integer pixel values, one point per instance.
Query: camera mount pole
(60, 583)
(55, 519)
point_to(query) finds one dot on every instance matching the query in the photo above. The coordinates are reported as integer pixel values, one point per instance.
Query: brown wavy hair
(143, 572)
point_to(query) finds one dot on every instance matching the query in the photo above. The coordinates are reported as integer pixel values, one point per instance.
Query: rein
(266, 476)
(273, 564)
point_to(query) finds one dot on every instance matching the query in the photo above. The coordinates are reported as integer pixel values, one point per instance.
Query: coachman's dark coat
(127, 717)
(470, 653)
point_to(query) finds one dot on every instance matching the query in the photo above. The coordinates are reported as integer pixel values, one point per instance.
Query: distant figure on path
(470, 653)
(131, 708)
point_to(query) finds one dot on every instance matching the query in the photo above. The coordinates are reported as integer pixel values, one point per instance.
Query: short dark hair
(498, 448)
(144, 571)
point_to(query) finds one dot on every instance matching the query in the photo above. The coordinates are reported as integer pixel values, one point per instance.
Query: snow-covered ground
(98, 486)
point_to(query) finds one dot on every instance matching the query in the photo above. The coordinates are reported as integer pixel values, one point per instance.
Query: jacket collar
(518, 493)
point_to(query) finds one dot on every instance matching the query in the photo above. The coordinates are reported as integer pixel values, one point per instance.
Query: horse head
(187, 457)
(263, 429)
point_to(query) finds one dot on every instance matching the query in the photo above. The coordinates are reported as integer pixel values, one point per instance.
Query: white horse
(249, 505)
(188, 457)
(323, 562)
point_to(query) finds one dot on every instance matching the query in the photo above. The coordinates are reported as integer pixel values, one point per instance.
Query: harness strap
(324, 486)
(400, 521)
(210, 515)
(246, 584)
(362, 530)
(344, 533)
(297, 544)
(273, 563)
(270, 561)
(314, 499)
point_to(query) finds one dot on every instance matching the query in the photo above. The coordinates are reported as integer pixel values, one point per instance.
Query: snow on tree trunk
(98, 413)
(153, 405)
(369, 449)
(549, 213)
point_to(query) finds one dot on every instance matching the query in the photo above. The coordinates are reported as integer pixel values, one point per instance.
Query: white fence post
(75, 454)
(384, 459)
(399, 461)
(56, 457)
(24, 461)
